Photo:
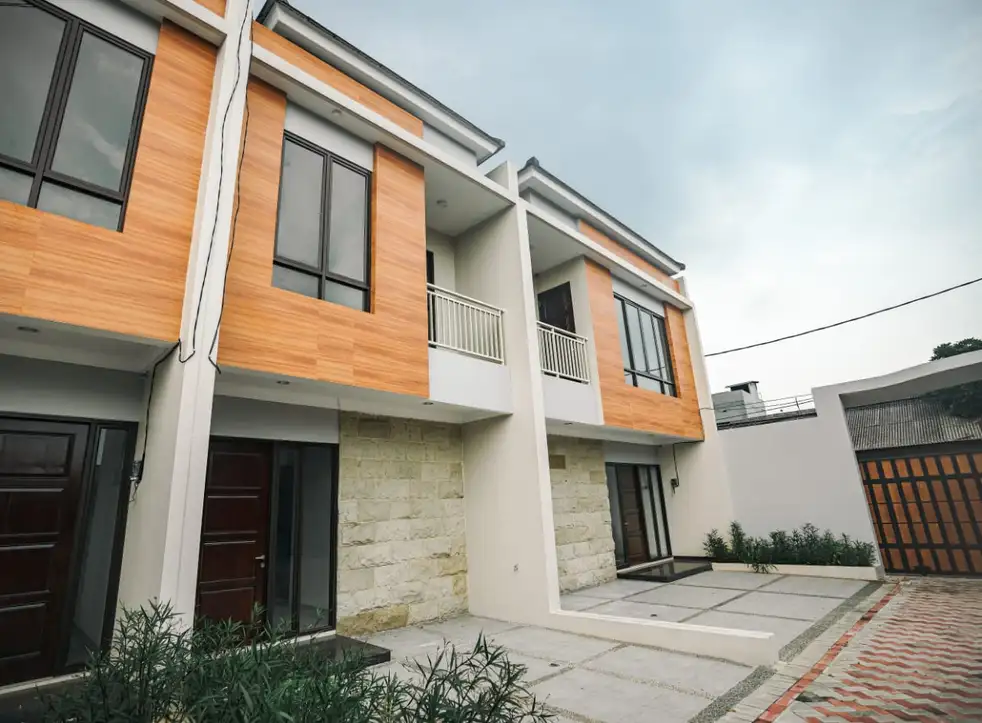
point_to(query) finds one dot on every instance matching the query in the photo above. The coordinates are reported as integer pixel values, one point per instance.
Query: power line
(847, 321)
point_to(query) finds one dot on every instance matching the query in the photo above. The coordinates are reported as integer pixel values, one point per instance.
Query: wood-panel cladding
(309, 63)
(629, 256)
(132, 283)
(632, 407)
(272, 330)
(216, 6)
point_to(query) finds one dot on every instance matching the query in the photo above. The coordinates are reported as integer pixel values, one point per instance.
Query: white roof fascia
(530, 177)
(655, 287)
(388, 86)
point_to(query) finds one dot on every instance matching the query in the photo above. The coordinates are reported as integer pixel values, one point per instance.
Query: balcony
(467, 354)
(563, 354)
(465, 325)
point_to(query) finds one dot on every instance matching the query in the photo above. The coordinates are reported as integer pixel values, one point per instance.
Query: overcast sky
(808, 161)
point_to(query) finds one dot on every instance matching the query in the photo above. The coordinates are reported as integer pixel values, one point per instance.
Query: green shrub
(156, 672)
(805, 546)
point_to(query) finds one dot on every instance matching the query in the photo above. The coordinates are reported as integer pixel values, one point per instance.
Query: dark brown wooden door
(632, 515)
(926, 506)
(556, 307)
(234, 530)
(41, 470)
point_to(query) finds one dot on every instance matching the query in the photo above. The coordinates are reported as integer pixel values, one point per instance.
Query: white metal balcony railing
(563, 354)
(465, 325)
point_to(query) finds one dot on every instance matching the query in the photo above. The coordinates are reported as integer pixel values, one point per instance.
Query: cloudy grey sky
(807, 160)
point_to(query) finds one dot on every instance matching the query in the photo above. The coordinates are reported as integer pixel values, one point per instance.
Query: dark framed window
(644, 347)
(322, 230)
(73, 99)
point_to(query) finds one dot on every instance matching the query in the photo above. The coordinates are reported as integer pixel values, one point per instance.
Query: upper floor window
(644, 347)
(72, 102)
(322, 234)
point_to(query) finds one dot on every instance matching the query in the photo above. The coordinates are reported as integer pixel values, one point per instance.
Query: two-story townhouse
(270, 335)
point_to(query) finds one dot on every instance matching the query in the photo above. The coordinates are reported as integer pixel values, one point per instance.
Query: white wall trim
(639, 297)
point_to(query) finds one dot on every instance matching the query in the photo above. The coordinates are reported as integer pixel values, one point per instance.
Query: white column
(511, 550)
(163, 529)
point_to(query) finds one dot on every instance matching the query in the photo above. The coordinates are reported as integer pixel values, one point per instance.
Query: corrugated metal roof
(907, 423)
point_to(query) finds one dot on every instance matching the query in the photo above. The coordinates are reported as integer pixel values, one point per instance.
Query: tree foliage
(963, 400)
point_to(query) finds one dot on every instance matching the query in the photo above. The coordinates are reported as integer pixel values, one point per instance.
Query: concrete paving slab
(781, 605)
(642, 611)
(614, 700)
(553, 645)
(785, 630)
(575, 601)
(686, 672)
(537, 667)
(408, 642)
(466, 628)
(729, 580)
(686, 596)
(617, 589)
(822, 586)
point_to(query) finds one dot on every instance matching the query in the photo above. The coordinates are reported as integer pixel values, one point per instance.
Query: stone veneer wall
(581, 513)
(402, 555)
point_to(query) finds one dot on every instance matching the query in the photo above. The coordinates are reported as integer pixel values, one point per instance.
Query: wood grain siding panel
(271, 330)
(132, 283)
(629, 256)
(309, 63)
(632, 407)
(216, 6)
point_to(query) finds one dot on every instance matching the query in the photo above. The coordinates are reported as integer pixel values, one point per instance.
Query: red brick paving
(915, 656)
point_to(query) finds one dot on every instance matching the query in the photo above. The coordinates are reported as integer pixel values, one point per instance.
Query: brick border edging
(782, 703)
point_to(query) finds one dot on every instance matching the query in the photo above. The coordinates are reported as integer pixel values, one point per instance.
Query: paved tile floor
(589, 679)
(917, 659)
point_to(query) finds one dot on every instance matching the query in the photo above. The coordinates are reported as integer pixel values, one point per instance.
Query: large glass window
(322, 235)
(70, 117)
(644, 348)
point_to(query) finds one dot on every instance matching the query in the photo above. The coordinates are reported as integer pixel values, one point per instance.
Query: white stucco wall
(785, 474)
(330, 137)
(444, 270)
(254, 419)
(568, 401)
(116, 18)
(469, 382)
(35, 386)
(448, 144)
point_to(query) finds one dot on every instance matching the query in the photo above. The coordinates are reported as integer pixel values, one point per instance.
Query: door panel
(232, 563)
(632, 515)
(41, 470)
(556, 307)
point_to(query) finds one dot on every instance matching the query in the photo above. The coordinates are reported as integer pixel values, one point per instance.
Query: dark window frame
(53, 116)
(323, 274)
(630, 374)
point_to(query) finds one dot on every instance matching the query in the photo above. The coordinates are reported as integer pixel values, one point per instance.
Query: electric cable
(846, 321)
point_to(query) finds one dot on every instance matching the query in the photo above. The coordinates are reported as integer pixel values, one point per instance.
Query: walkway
(919, 658)
(586, 680)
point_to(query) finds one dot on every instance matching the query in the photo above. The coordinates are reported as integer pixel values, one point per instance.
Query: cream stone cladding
(581, 511)
(402, 556)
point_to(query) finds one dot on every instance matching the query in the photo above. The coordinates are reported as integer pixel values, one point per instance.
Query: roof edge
(267, 9)
(533, 164)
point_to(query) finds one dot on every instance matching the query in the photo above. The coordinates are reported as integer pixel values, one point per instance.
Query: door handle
(261, 559)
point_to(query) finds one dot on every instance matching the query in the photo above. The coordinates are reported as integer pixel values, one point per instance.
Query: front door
(632, 515)
(41, 472)
(232, 565)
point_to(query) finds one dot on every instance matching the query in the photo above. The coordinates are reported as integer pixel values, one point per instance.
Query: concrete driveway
(587, 679)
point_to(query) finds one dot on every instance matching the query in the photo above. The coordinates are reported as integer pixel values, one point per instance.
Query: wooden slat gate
(926, 506)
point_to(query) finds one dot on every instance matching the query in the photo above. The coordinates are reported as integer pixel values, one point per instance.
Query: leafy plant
(805, 546)
(962, 400)
(157, 671)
